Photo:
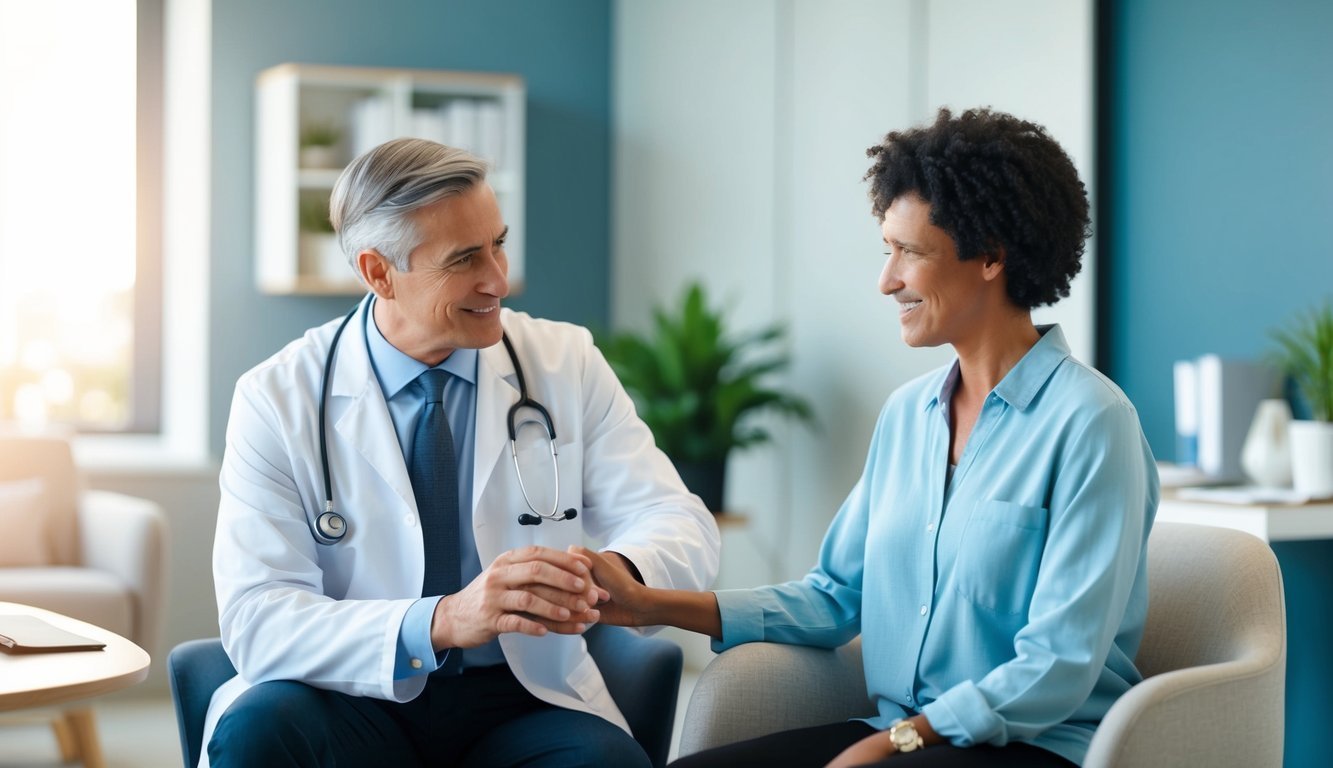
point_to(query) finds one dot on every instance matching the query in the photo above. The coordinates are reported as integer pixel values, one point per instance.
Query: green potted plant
(320, 254)
(318, 144)
(698, 387)
(1305, 352)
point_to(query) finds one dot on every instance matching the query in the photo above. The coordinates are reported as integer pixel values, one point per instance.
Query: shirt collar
(1020, 386)
(395, 369)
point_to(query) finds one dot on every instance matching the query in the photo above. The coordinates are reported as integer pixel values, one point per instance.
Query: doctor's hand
(533, 590)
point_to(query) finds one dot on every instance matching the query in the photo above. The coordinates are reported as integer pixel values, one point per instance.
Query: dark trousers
(483, 717)
(815, 746)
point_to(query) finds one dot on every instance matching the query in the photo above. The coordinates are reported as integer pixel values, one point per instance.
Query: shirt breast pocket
(999, 555)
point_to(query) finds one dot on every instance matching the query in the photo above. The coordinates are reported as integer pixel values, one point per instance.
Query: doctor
(353, 645)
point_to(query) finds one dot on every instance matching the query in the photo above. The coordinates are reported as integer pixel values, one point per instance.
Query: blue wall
(1221, 185)
(561, 49)
(1217, 208)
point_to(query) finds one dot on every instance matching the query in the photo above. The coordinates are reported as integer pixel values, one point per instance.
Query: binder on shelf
(1228, 392)
(1186, 377)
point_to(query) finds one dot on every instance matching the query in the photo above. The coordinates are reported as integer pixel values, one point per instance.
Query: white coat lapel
(497, 390)
(366, 423)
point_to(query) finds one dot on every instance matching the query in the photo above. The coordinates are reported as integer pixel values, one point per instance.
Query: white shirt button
(416, 663)
(930, 527)
(409, 520)
(923, 610)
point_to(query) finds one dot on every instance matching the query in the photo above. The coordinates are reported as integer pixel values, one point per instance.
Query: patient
(992, 555)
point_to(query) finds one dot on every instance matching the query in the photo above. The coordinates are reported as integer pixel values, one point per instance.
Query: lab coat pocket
(1000, 553)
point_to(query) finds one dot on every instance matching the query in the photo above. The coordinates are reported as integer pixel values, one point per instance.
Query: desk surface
(41, 679)
(1270, 522)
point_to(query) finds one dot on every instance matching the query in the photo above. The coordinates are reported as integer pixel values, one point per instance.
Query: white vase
(1266, 456)
(1312, 458)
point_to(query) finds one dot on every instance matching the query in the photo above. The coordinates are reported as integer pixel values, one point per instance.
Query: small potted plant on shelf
(320, 254)
(1305, 352)
(699, 388)
(319, 140)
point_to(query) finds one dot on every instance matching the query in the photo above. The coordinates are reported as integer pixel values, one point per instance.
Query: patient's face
(450, 296)
(940, 299)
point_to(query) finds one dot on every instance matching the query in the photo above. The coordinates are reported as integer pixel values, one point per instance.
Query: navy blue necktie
(434, 474)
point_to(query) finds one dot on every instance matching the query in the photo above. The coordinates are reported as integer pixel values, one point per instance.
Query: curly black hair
(993, 182)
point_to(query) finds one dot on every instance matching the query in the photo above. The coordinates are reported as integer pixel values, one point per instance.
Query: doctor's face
(450, 296)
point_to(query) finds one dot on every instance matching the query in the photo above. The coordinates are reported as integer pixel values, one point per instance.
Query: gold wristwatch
(904, 736)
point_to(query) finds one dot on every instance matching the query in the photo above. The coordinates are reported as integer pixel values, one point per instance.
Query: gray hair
(374, 197)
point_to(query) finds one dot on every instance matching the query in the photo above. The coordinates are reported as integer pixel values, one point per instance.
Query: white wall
(740, 132)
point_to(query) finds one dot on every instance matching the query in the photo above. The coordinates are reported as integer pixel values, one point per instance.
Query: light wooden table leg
(85, 737)
(69, 748)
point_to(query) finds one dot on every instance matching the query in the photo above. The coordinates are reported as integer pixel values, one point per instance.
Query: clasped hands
(531, 590)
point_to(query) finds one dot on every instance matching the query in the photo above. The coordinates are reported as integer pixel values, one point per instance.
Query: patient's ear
(376, 271)
(992, 263)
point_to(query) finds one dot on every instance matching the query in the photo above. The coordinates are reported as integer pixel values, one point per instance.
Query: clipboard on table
(30, 634)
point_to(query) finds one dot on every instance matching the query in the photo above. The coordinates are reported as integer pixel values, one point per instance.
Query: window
(80, 202)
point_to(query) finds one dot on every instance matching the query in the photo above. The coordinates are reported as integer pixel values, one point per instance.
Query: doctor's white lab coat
(329, 615)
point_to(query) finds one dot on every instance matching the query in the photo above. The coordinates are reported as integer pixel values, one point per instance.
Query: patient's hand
(625, 601)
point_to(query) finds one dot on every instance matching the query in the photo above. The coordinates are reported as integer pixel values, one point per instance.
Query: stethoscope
(330, 527)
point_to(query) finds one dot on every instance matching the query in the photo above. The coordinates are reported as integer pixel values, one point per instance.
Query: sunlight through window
(67, 212)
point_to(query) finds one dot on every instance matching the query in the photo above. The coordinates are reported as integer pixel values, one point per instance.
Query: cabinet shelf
(354, 109)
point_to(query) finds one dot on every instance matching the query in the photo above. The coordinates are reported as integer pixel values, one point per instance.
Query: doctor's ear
(376, 271)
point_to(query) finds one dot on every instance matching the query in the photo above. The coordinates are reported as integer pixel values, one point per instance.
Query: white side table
(1270, 522)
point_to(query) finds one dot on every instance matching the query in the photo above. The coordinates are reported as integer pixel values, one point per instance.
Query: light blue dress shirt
(1009, 605)
(397, 373)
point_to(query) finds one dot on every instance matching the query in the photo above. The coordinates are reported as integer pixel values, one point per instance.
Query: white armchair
(92, 555)
(1213, 657)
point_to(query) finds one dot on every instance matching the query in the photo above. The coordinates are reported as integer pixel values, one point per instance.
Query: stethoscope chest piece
(330, 527)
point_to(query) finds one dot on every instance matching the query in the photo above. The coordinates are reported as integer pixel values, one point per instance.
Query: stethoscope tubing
(330, 527)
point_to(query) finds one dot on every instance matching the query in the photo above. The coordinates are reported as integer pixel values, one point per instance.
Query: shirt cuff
(416, 654)
(964, 717)
(742, 618)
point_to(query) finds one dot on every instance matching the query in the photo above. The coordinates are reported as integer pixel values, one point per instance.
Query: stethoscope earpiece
(527, 519)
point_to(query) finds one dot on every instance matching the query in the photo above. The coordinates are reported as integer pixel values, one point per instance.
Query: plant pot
(1312, 458)
(321, 257)
(706, 479)
(1266, 456)
(319, 156)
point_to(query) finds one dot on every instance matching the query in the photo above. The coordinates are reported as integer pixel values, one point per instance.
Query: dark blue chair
(642, 674)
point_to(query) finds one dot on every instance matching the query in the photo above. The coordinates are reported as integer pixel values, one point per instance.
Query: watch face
(902, 734)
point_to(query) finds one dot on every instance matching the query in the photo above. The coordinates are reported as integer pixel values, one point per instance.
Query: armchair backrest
(1216, 596)
(48, 458)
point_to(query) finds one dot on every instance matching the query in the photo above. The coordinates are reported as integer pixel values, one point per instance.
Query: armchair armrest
(126, 536)
(760, 688)
(1197, 716)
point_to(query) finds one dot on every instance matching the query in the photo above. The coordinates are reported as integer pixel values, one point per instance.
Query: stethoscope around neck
(330, 527)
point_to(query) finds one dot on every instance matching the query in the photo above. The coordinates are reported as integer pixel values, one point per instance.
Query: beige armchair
(1213, 657)
(93, 555)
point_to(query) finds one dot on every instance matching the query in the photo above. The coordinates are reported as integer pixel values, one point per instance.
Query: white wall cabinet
(313, 120)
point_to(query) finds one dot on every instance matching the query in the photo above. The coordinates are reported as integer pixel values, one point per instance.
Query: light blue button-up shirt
(397, 374)
(1008, 606)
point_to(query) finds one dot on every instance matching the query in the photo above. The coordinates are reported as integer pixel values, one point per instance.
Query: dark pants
(483, 717)
(816, 746)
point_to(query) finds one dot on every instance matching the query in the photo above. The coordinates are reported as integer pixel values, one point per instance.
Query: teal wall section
(1217, 198)
(562, 50)
(1220, 177)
